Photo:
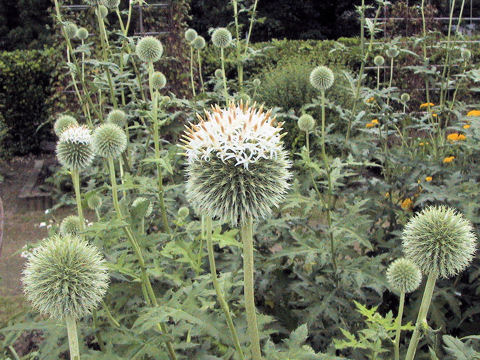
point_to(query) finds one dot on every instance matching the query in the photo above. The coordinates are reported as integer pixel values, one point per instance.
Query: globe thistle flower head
(405, 97)
(198, 43)
(183, 212)
(190, 35)
(94, 202)
(392, 52)
(109, 140)
(236, 165)
(149, 49)
(379, 60)
(218, 73)
(439, 240)
(62, 123)
(82, 33)
(256, 82)
(404, 276)
(71, 30)
(158, 80)
(117, 117)
(74, 149)
(306, 122)
(322, 78)
(140, 200)
(111, 4)
(71, 225)
(65, 277)
(221, 37)
(103, 11)
(465, 54)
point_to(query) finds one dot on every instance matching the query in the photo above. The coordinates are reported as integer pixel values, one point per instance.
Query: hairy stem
(72, 338)
(199, 58)
(78, 198)
(222, 57)
(191, 71)
(398, 324)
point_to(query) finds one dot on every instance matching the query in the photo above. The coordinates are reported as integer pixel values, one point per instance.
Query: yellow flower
(466, 126)
(448, 159)
(462, 137)
(370, 125)
(407, 204)
(387, 194)
(426, 105)
(428, 179)
(474, 113)
(452, 136)
(421, 144)
(434, 115)
(375, 122)
(370, 99)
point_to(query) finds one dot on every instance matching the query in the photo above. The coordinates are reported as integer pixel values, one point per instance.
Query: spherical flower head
(109, 140)
(103, 11)
(465, 54)
(158, 80)
(63, 122)
(149, 49)
(379, 60)
(236, 165)
(190, 35)
(111, 4)
(219, 73)
(256, 82)
(71, 30)
(82, 33)
(117, 117)
(71, 225)
(74, 149)
(221, 37)
(392, 52)
(440, 241)
(405, 97)
(198, 43)
(94, 202)
(322, 78)
(65, 277)
(141, 200)
(183, 212)
(404, 276)
(306, 122)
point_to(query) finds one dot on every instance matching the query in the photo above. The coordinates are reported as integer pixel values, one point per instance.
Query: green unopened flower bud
(141, 200)
(103, 11)
(183, 212)
(71, 30)
(379, 60)
(117, 117)
(219, 73)
(158, 80)
(190, 35)
(306, 123)
(94, 202)
(392, 52)
(74, 148)
(71, 225)
(405, 97)
(63, 122)
(439, 240)
(82, 33)
(256, 82)
(221, 37)
(466, 54)
(149, 49)
(322, 78)
(109, 140)
(111, 4)
(198, 43)
(404, 276)
(65, 277)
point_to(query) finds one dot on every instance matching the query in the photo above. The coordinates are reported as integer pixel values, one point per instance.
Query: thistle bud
(71, 225)
(190, 35)
(322, 78)
(306, 123)
(109, 140)
(221, 37)
(404, 276)
(74, 149)
(64, 122)
(198, 43)
(379, 60)
(117, 117)
(158, 80)
(149, 49)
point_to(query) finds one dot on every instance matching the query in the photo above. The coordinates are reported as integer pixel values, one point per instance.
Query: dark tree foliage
(24, 24)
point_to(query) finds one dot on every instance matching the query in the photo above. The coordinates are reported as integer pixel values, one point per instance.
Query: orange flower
(474, 113)
(452, 136)
(375, 122)
(428, 179)
(466, 126)
(435, 115)
(370, 125)
(448, 159)
(407, 204)
(370, 99)
(426, 105)
(462, 137)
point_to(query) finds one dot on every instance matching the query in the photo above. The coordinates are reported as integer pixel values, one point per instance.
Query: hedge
(26, 78)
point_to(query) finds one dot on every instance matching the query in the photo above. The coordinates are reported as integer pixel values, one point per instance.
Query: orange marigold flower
(428, 179)
(407, 204)
(452, 136)
(370, 125)
(466, 126)
(375, 122)
(448, 159)
(426, 105)
(462, 137)
(474, 113)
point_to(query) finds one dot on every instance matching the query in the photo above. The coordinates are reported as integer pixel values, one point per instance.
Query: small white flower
(42, 224)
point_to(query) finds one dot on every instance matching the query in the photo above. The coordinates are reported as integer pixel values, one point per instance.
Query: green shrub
(25, 86)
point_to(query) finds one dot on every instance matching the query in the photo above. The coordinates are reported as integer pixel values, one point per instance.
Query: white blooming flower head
(236, 165)
(74, 149)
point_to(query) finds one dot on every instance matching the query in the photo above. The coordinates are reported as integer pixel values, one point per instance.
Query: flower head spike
(158, 80)
(74, 149)
(306, 122)
(63, 122)
(109, 140)
(71, 225)
(236, 165)
(65, 276)
(149, 49)
(439, 240)
(379, 60)
(221, 37)
(199, 43)
(117, 117)
(322, 78)
(94, 201)
(190, 35)
(82, 33)
(405, 97)
(392, 52)
(71, 30)
(404, 276)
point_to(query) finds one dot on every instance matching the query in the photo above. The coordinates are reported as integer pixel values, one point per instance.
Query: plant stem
(248, 275)
(399, 325)
(391, 80)
(252, 21)
(72, 338)
(78, 199)
(98, 334)
(222, 58)
(218, 290)
(238, 47)
(191, 71)
(422, 316)
(199, 58)
(378, 77)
